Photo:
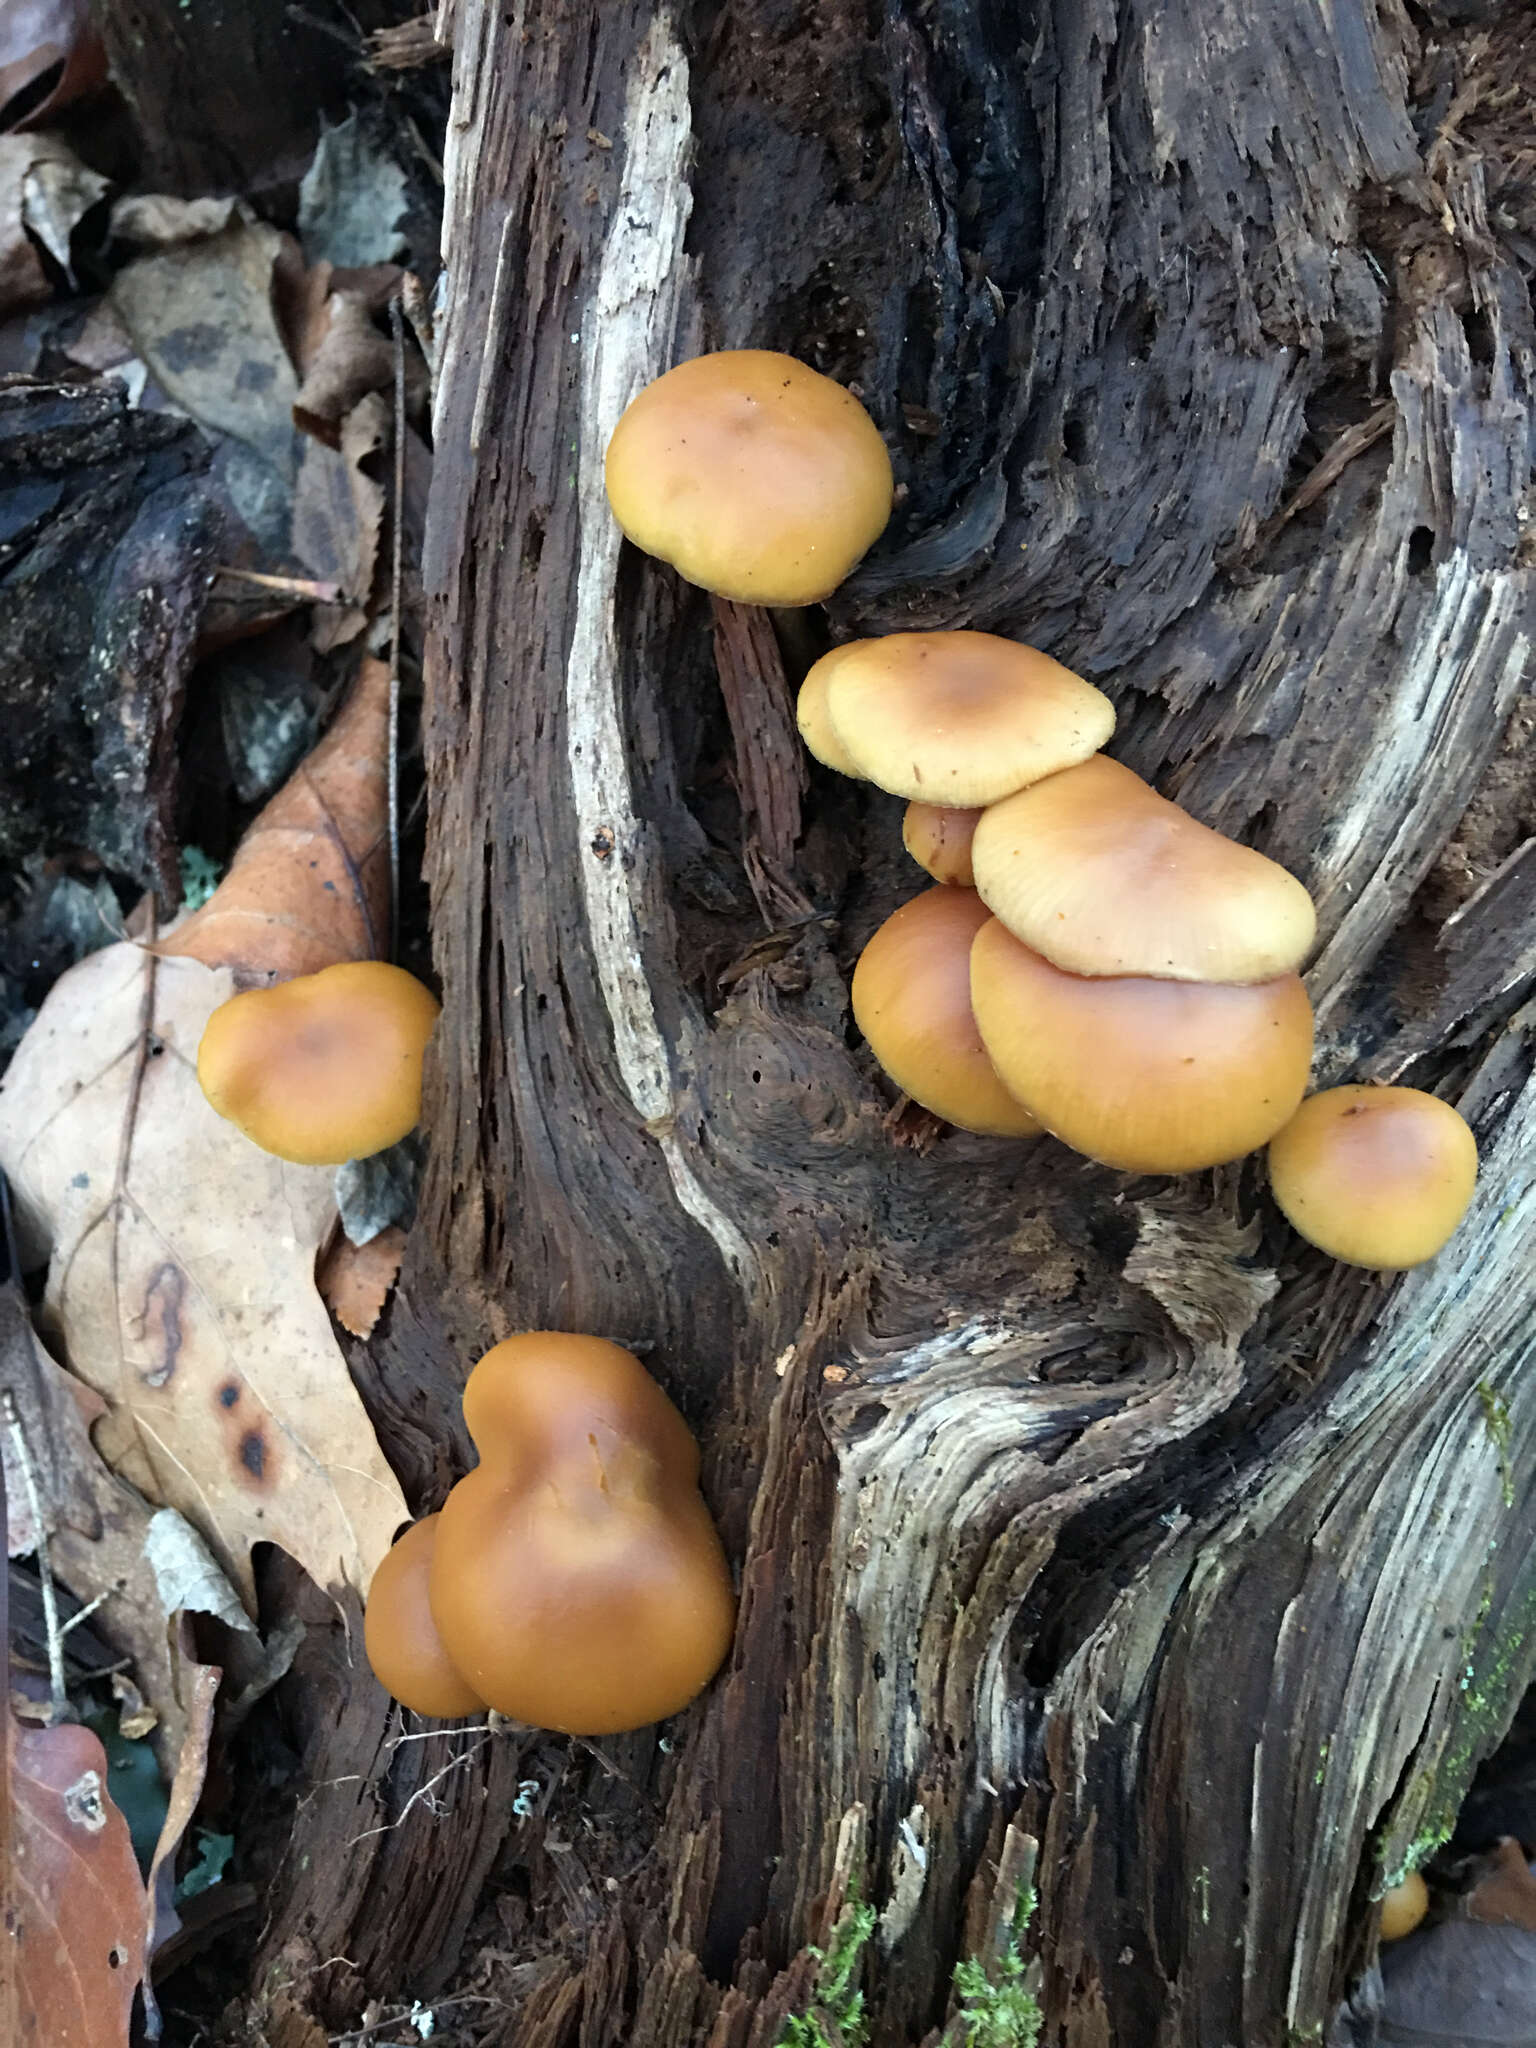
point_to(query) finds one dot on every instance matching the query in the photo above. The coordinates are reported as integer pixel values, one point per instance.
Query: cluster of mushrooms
(573, 1580)
(1093, 961)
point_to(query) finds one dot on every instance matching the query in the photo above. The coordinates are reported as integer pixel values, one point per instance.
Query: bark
(1097, 1509)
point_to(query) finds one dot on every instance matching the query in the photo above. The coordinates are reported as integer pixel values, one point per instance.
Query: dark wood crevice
(1093, 1505)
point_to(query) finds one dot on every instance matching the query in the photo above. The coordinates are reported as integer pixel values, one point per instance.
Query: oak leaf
(181, 1285)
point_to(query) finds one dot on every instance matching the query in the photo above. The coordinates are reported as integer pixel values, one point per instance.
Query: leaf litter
(182, 1278)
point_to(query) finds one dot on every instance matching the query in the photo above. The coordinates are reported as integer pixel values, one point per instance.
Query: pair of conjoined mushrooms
(1095, 962)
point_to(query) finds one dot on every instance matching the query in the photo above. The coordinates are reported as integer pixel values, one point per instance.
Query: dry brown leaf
(38, 37)
(182, 1280)
(356, 1279)
(309, 883)
(73, 1951)
(161, 1920)
(352, 359)
(156, 220)
(338, 513)
(1506, 1896)
(44, 190)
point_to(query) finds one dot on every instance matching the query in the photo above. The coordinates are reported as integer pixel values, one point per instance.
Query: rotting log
(1097, 1508)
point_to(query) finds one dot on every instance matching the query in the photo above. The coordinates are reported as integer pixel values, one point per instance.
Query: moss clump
(998, 2008)
(836, 2018)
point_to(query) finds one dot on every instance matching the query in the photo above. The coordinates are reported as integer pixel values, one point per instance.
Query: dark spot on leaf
(159, 1323)
(229, 1393)
(253, 1453)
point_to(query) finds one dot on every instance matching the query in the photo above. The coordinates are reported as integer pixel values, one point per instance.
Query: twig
(87, 1611)
(58, 1698)
(397, 329)
(305, 588)
(421, 1792)
(1327, 470)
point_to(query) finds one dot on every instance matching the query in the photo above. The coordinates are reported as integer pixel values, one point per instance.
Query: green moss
(1496, 1416)
(836, 2018)
(999, 2009)
(1496, 1668)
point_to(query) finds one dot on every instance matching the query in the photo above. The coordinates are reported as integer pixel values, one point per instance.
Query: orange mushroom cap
(1374, 1176)
(938, 837)
(912, 1001)
(579, 1583)
(323, 1068)
(1403, 1906)
(958, 718)
(401, 1638)
(1101, 875)
(1150, 1076)
(752, 475)
(816, 726)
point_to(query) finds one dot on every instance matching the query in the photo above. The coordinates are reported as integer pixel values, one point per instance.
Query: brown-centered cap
(1150, 1076)
(959, 718)
(912, 1001)
(579, 1583)
(324, 1068)
(1374, 1176)
(401, 1638)
(938, 837)
(752, 475)
(1101, 875)
(816, 727)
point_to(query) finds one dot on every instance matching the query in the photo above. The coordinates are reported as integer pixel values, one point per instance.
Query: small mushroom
(938, 837)
(752, 475)
(816, 727)
(1101, 875)
(1150, 1076)
(1374, 1176)
(958, 718)
(401, 1638)
(578, 1582)
(912, 1001)
(1403, 1906)
(323, 1068)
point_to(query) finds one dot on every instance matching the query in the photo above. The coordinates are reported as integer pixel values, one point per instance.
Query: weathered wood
(1099, 1506)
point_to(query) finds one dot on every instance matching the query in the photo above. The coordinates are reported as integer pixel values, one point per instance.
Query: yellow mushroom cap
(959, 718)
(816, 726)
(752, 475)
(401, 1638)
(1374, 1176)
(1150, 1076)
(323, 1068)
(912, 1001)
(1404, 1906)
(938, 837)
(1101, 875)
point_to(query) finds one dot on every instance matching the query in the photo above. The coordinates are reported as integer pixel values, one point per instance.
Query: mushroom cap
(816, 726)
(1101, 875)
(959, 718)
(579, 1583)
(938, 837)
(912, 1001)
(401, 1638)
(752, 475)
(323, 1068)
(1149, 1076)
(1374, 1176)
(1403, 1906)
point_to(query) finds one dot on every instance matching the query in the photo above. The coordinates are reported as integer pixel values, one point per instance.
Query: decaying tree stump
(1097, 1508)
